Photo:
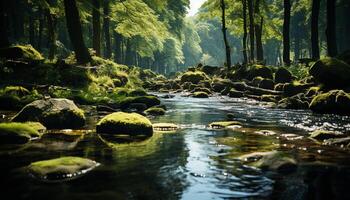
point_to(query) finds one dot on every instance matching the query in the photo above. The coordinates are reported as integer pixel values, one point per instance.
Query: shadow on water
(194, 162)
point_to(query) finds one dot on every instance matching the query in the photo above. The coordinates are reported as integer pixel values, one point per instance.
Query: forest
(175, 99)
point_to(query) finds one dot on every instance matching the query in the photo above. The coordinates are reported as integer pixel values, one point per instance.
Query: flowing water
(194, 162)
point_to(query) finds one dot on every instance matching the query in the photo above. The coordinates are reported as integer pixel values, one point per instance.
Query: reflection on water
(193, 162)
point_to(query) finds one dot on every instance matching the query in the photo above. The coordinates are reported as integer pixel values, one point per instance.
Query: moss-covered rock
(137, 92)
(283, 75)
(20, 133)
(331, 72)
(200, 95)
(324, 135)
(267, 84)
(193, 77)
(259, 70)
(53, 114)
(210, 70)
(155, 111)
(200, 89)
(149, 101)
(335, 101)
(224, 124)
(26, 53)
(121, 123)
(220, 84)
(291, 89)
(61, 169)
(256, 81)
(235, 94)
(294, 102)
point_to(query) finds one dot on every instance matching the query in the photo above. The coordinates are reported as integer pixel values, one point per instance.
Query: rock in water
(61, 169)
(121, 123)
(53, 114)
(333, 102)
(20, 133)
(331, 72)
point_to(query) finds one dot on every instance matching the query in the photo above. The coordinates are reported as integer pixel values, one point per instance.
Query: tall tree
(106, 22)
(331, 29)
(224, 32)
(4, 42)
(245, 57)
(51, 26)
(75, 32)
(314, 29)
(96, 26)
(258, 32)
(286, 27)
(251, 29)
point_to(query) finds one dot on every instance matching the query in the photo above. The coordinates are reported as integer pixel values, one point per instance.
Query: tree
(4, 42)
(227, 46)
(245, 57)
(106, 23)
(96, 26)
(286, 27)
(331, 29)
(258, 33)
(314, 29)
(75, 32)
(251, 29)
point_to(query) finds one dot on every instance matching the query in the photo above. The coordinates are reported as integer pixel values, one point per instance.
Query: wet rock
(193, 77)
(52, 113)
(137, 92)
(220, 84)
(331, 72)
(256, 81)
(210, 70)
(155, 111)
(274, 161)
(294, 102)
(342, 142)
(324, 135)
(333, 102)
(200, 95)
(121, 123)
(224, 124)
(265, 132)
(149, 101)
(167, 96)
(291, 89)
(283, 75)
(20, 133)
(267, 84)
(200, 89)
(61, 169)
(259, 70)
(165, 127)
(235, 94)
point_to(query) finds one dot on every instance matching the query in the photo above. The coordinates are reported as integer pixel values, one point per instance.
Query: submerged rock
(224, 124)
(155, 111)
(61, 169)
(121, 123)
(333, 102)
(165, 127)
(53, 114)
(20, 133)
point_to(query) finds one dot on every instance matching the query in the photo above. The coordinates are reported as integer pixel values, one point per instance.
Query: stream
(194, 162)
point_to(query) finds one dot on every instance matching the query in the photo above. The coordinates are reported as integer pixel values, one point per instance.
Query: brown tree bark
(96, 26)
(315, 49)
(245, 33)
(107, 36)
(331, 29)
(224, 32)
(286, 28)
(251, 30)
(258, 33)
(4, 41)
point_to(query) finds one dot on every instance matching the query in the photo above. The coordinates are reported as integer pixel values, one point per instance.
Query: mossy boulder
(256, 81)
(200, 95)
(155, 111)
(267, 84)
(291, 89)
(235, 94)
(193, 77)
(149, 101)
(333, 102)
(220, 84)
(137, 92)
(283, 75)
(259, 70)
(61, 169)
(20, 133)
(54, 113)
(18, 52)
(121, 123)
(294, 102)
(331, 72)
(224, 124)
(324, 135)
(200, 89)
(210, 70)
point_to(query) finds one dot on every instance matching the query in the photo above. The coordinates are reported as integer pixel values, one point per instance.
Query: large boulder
(259, 70)
(294, 102)
(282, 75)
(20, 133)
(61, 169)
(149, 101)
(331, 72)
(193, 77)
(25, 53)
(54, 113)
(120, 123)
(335, 101)
(210, 70)
(267, 84)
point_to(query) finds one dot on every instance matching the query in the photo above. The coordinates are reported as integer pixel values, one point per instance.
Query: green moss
(137, 92)
(259, 70)
(200, 89)
(60, 169)
(193, 77)
(25, 52)
(155, 111)
(335, 101)
(121, 123)
(200, 95)
(20, 133)
(149, 101)
(224, 124)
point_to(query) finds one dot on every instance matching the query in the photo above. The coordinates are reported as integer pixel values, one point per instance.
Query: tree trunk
(245, 34)
(31, 27)
(51, 26)
(96, 26)
(4, 41)
(41, 27)
(258, 33)
(331, 29)
(118, 48)
(129, 57)
(251, 30)
(106, 22)
(75, 32)
(315, 49)
(286, 27)
(227, 46)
